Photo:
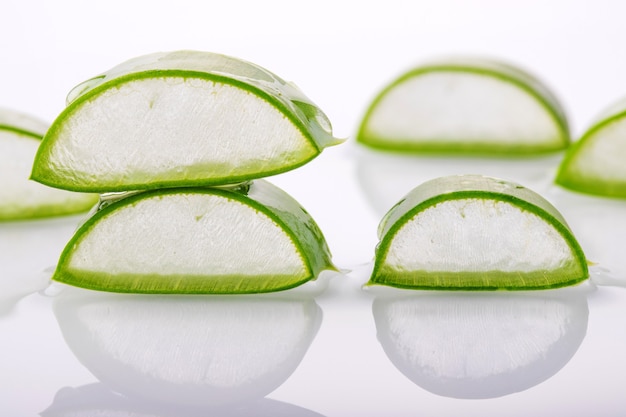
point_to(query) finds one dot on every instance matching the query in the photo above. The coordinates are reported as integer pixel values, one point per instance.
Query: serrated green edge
(41, 172)
(66, 275)
(387, 239)
(565, 176)
(475, 147)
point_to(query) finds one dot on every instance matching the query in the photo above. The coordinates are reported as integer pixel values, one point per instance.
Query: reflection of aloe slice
(180, 119)
(595, 163)
(480, 346)
(199, 351)
(96, 400)
(15, 287)
(250, 239)
(470, 106)
(475, 232)
(22, 273)
(20, 137)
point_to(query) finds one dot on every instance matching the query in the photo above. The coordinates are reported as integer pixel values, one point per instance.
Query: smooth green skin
(569, 178)
(503, 72)
(427, 196)
(43, 210)
(286, 98)
(269, 200)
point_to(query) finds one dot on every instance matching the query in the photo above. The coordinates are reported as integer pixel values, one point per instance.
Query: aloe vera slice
(595, 163)
(20, 198)
(182, 118)
(466, 106)
(472, 232)
(250, 239)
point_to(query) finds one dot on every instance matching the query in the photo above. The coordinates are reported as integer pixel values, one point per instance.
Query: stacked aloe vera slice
(183, 139)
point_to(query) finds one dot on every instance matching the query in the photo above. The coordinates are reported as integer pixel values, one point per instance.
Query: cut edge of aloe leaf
(304, 241)
(501, 71)
(575, 272)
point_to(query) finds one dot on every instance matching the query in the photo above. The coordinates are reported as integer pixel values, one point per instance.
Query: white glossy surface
(374, 352)
(369, 354)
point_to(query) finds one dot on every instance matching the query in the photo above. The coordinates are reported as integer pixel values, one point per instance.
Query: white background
(340, 54)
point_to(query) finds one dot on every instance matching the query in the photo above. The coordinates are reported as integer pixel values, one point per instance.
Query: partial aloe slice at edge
(21, 199)
(452, 241)
(465, 138)
(595, 163)
(197, 240)
(180, 119)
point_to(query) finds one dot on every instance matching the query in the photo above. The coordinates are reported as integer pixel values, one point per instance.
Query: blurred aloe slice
(595, 163)
(20, 198)
(246, 239)
(471, 232)
(181, 118)
(466, 106)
